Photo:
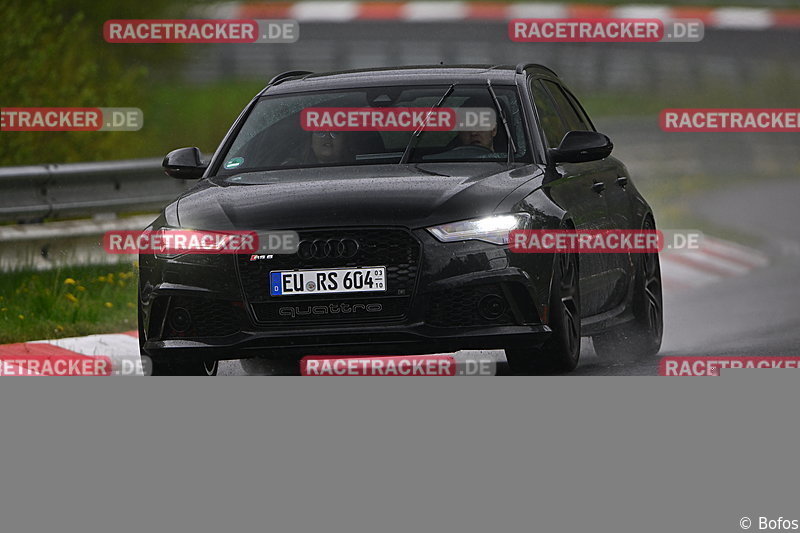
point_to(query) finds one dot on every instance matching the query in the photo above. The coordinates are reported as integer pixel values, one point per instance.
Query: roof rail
(288, 74)
(521, 67)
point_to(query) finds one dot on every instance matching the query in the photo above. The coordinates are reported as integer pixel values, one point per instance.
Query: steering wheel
(470, 150)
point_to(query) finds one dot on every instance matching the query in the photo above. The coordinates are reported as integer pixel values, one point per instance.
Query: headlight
(492, 229)
(192, 242)
(159, 234)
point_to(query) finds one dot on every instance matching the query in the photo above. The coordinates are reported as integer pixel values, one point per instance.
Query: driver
(330, 146)
(483, 138)
(326, 147)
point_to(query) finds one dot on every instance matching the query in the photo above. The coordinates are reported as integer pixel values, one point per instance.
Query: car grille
(396, 249)
(460, 307)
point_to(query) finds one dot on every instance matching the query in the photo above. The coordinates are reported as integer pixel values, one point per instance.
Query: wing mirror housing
(581, 146)
(184, 164)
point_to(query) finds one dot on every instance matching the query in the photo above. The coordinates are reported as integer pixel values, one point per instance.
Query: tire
(561, 352)
(181, 367)
(641, 337)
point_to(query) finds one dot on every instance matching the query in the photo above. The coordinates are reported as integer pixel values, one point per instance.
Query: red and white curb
(713, 261)
(750, 18)
(122, 349)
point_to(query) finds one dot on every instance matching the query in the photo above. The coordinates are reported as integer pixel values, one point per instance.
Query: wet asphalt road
(753, 315)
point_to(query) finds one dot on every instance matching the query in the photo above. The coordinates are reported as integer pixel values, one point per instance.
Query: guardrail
(35, 193)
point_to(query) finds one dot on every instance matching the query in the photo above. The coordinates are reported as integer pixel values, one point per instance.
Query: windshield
(375, 125)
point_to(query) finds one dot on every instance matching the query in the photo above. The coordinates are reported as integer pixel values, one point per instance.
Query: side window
(581, 112)
(567, 110)
(552, 125)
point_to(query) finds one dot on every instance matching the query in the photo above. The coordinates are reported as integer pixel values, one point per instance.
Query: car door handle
(622, 181)
(598, 187)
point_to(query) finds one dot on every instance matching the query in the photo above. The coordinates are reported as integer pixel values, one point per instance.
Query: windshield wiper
(412, 143)
(512, 149)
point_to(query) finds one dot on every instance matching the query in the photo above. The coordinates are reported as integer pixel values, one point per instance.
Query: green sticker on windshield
(234, 163)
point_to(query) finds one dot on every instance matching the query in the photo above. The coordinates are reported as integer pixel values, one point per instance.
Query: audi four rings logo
(320, 248)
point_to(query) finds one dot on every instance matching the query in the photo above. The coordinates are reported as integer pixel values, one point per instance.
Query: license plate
(328, 281)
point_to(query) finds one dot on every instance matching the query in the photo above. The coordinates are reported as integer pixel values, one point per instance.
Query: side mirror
(581, 146)
(184, 164)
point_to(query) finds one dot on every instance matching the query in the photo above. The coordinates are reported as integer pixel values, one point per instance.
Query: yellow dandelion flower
(21, 317)
(4, 309)
(109, 305)
(71, 297)
(59, 329)
(80, 288)
(101, 279)
(70, 281)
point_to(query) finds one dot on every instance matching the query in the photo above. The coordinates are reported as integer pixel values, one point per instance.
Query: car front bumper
(463, 295)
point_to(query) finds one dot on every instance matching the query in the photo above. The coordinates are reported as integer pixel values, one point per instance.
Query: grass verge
(70, 302)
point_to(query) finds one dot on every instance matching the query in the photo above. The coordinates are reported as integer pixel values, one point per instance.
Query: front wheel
(561, 352)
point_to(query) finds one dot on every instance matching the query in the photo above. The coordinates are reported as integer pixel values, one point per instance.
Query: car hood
(397, 195)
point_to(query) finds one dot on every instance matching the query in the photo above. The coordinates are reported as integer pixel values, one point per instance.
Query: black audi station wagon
(403, 236)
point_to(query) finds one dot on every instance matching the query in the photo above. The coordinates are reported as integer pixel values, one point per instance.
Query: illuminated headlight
(492, 229)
